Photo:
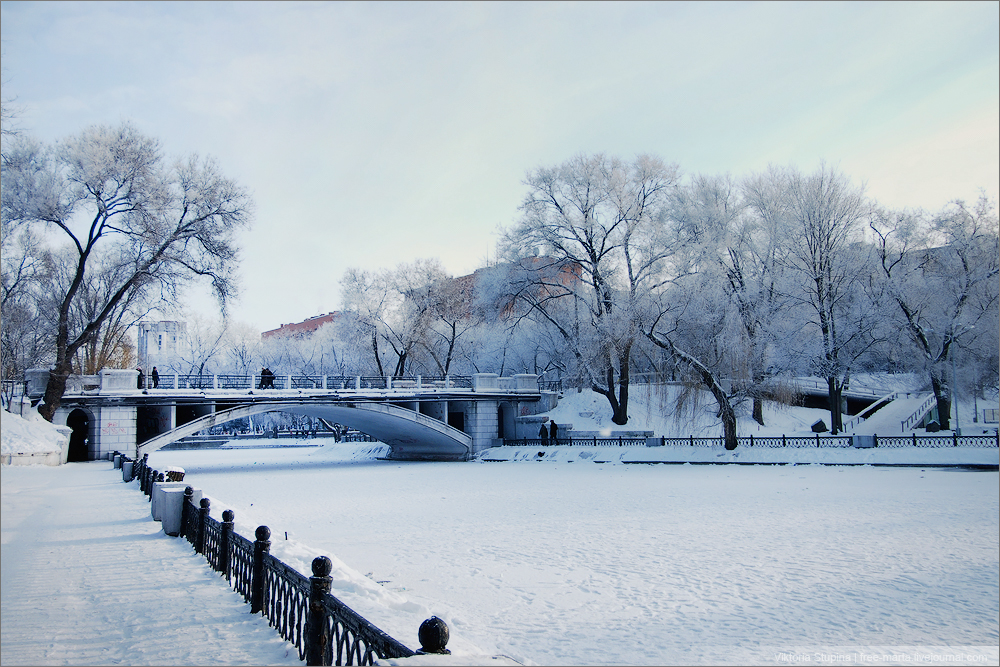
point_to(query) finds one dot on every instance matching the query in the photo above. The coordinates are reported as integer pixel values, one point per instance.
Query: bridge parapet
(119, 381)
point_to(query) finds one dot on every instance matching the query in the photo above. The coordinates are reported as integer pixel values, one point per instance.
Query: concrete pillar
(481, 424)
(116, 380)
(116, 430)
(485, 382)
(527, 383)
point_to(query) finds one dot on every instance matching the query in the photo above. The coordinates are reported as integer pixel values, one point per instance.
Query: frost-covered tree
(205, 350)
(108, 192)
(598, 221)
(26, 329)
(825, 248)
(940, 274)
(395, 309)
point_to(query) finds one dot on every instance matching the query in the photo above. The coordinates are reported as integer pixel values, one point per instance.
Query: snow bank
(32, 440)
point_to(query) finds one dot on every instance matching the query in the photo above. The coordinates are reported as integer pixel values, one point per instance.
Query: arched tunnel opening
(79, 441)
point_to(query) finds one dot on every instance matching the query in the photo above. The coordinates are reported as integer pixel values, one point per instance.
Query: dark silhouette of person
(266, 379)
(543, 434)
(553, 432)
(156, 378)
(141, 380)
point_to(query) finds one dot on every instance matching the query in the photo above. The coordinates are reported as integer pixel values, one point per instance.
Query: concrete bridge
(451, 418)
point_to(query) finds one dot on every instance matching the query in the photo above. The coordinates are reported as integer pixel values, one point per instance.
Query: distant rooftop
(304, 328)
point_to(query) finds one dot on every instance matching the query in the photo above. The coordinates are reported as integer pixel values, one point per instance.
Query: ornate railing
(286, 601)
(323, 629)
(783, 441)
(822, 441)
(592, 442)
(937, 441)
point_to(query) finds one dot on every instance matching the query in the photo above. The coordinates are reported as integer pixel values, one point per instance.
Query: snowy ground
(89, 579)
(563, 562)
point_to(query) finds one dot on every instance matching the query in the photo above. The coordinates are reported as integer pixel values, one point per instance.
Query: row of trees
(613, 267)
(744, 281)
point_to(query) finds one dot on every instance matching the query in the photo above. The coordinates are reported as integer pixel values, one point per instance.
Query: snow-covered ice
(583, 563)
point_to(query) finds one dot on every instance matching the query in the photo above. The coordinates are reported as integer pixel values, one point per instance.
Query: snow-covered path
(90, 579)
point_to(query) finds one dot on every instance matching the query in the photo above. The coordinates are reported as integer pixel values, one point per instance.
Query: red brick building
(304, 328)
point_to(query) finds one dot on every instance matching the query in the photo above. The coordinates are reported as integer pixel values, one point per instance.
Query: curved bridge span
(409, 434)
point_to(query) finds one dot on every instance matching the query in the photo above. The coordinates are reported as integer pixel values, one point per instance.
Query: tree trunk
(942, 392)
(54, 389)
(726, 412)
(835, 391)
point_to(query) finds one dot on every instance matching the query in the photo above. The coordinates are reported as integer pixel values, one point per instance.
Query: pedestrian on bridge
(553, 432)
(156, 378)
(141, 381)
(543, 434)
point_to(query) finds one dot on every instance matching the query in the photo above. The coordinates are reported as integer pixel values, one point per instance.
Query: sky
(375, 134)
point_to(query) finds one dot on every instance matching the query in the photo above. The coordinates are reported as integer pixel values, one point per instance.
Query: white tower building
(161, 344)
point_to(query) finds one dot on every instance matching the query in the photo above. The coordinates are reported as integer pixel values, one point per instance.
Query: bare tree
(599, 223)
(824, 249)
(206, 340)
(394, 309)
(940, 272)
(108, 191)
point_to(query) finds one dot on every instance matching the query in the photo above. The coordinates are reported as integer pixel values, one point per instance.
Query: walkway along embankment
(323, 629)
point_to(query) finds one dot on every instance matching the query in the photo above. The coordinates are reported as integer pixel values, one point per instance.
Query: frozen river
(584, 563)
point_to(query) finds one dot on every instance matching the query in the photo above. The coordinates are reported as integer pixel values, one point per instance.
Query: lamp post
(954, 395)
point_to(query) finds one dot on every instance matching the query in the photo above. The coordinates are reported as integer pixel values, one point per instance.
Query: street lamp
(954, 395)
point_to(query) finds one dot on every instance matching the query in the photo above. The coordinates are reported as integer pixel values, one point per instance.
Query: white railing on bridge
(919, 413)
(860, 418)
(124, 380)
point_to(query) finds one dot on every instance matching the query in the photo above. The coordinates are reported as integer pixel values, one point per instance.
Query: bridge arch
(409, 434)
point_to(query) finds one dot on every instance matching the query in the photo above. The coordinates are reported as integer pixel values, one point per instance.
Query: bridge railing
(125, 380)
(822, 441)
(323, 629)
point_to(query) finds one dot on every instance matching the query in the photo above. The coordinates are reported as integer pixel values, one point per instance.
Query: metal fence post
(433, 635)
(225, 539)
(202, 521)
(260, 550)
(188, 500)
(317, 637)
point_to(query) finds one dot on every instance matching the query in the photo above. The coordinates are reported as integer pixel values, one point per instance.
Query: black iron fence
(323, 629)
(772, 441)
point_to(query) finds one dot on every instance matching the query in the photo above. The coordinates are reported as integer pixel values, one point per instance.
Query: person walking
(156, 378)
(553, 435)
(543, 434)
(141, 381)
